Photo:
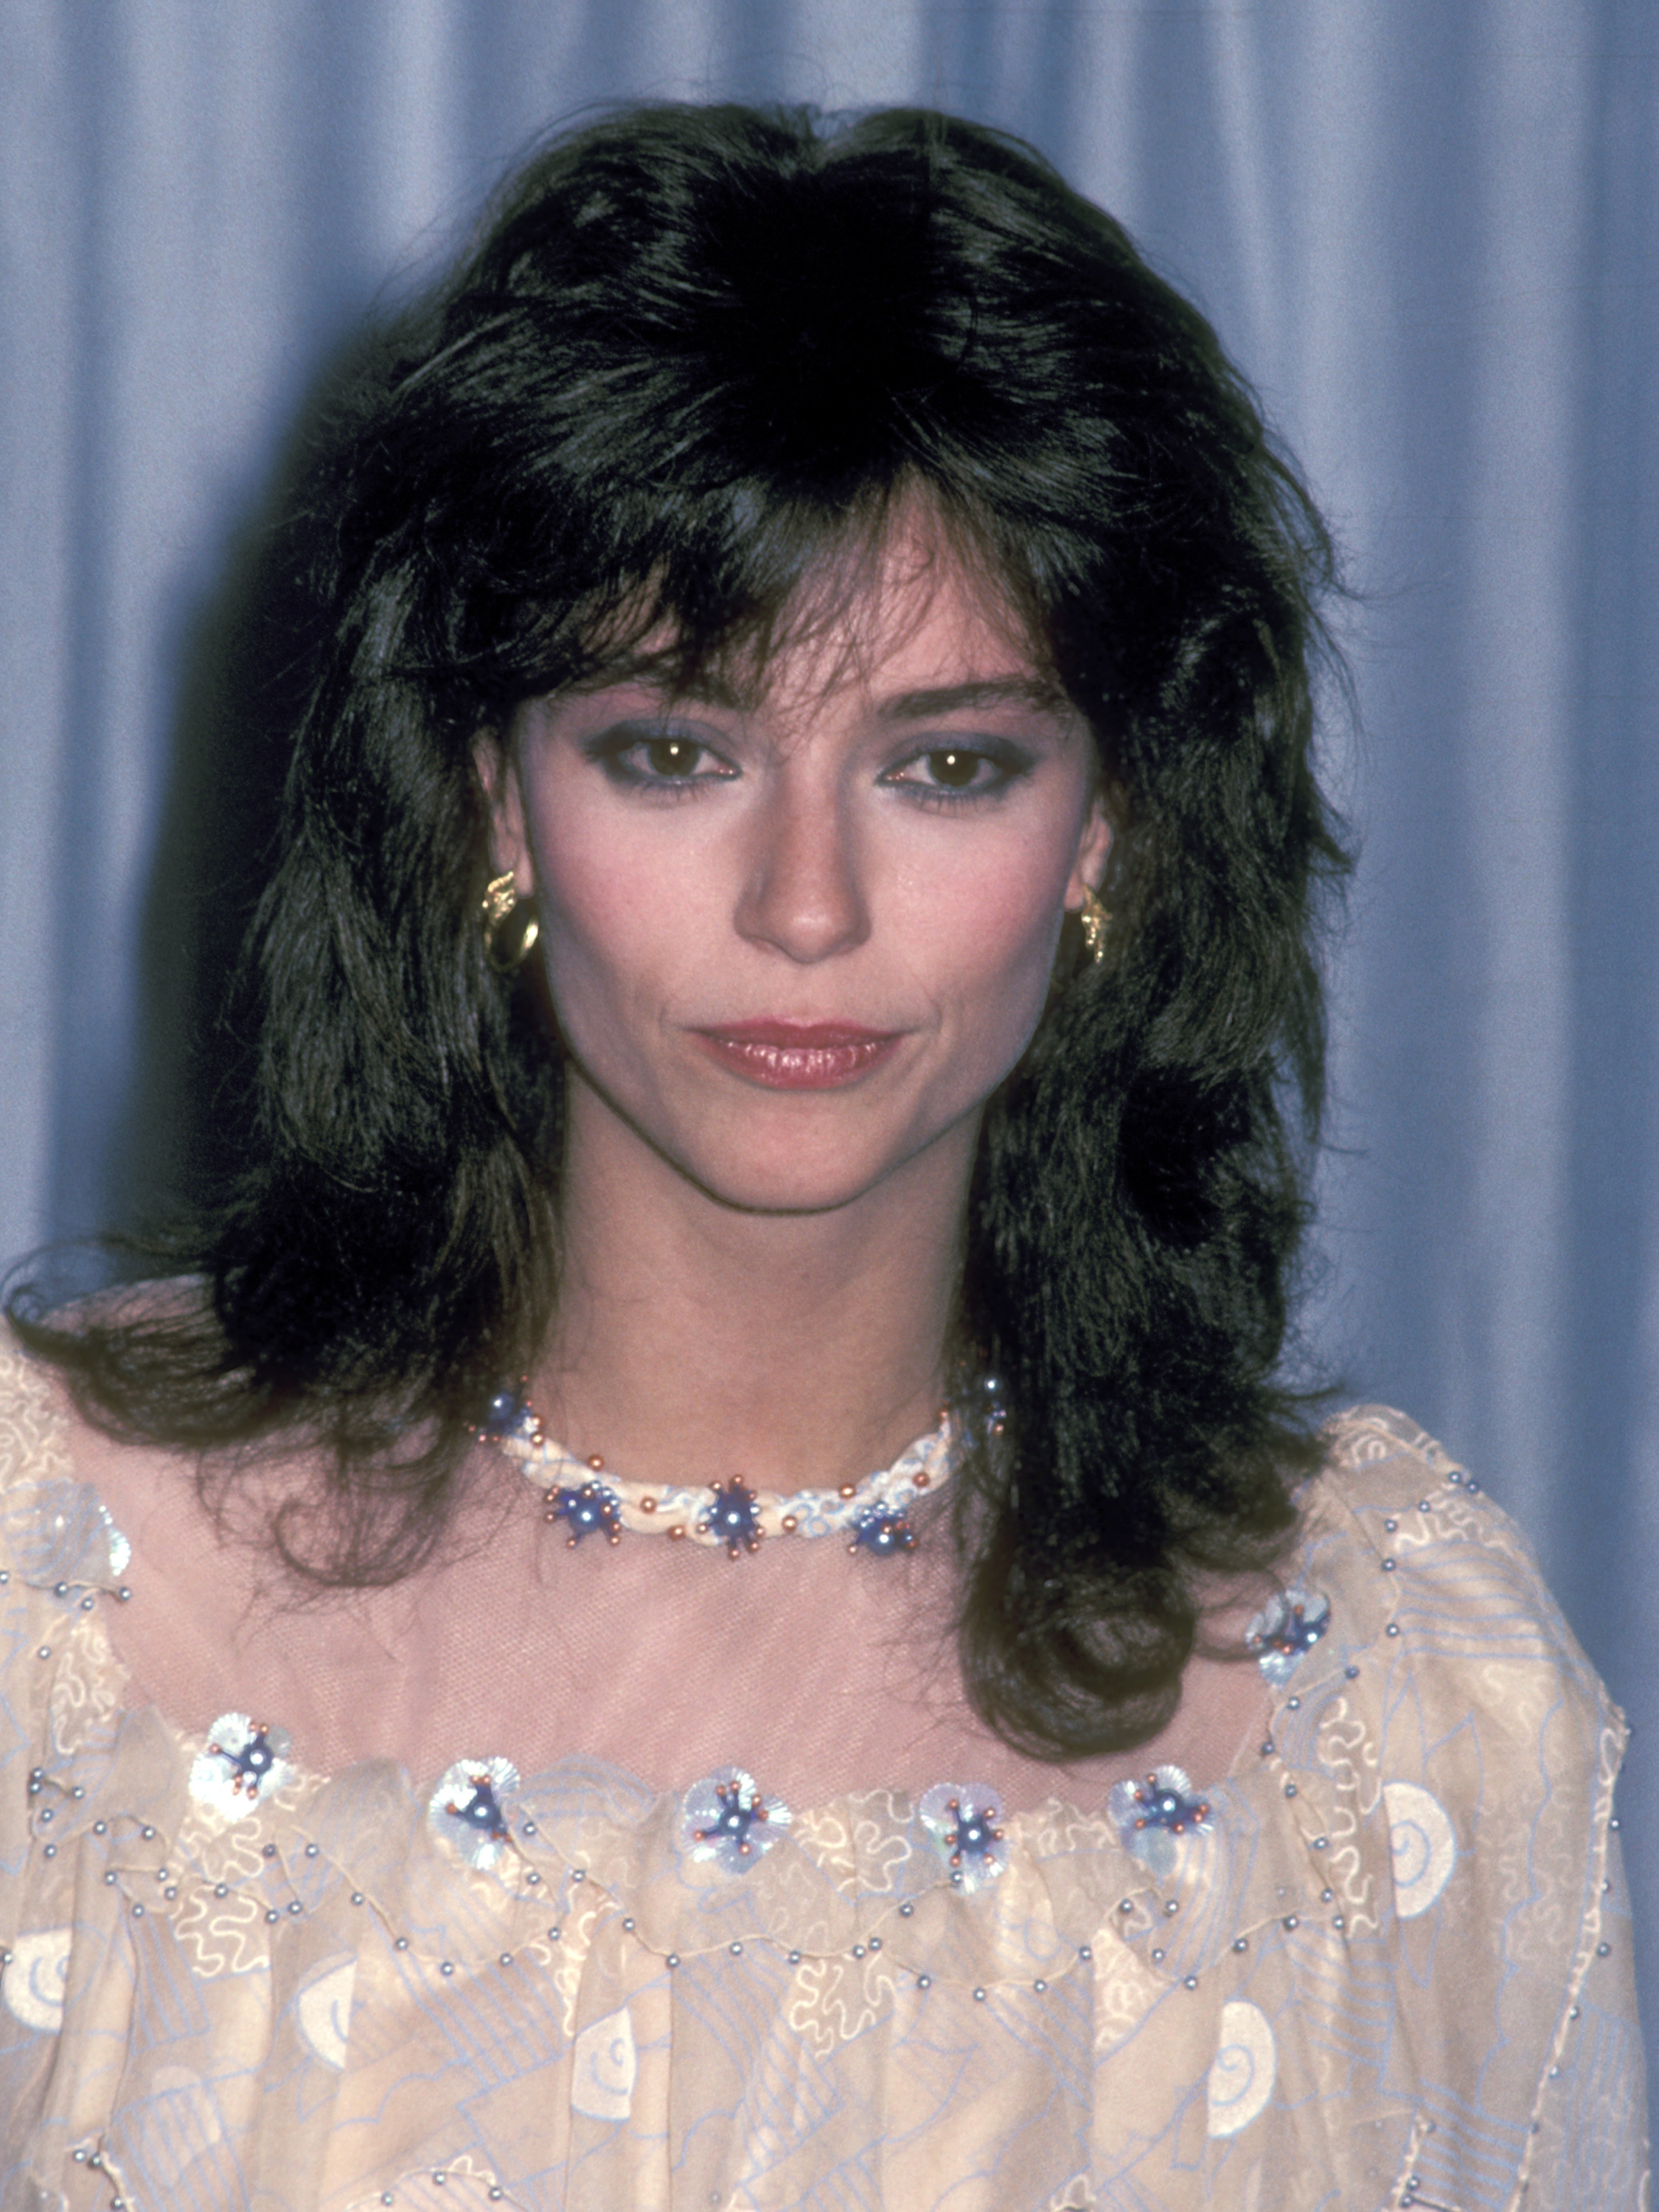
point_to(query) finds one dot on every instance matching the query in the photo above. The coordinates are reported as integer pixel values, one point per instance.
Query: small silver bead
(445, 1966)
(1290, 1921)
(400, 1942)
(924, 1981)
(1241, 1942)
(1040, 1987)
(673, 1960)
(1157, 1958)
(979, 1996)
(906, 1910)
(1294, 1704)
(736, 1949)
(1191, 1982)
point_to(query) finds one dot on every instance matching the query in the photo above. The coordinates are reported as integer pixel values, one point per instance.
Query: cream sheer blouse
(1383, 1960)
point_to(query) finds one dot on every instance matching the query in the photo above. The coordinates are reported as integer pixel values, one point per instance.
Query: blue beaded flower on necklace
(872, 1516)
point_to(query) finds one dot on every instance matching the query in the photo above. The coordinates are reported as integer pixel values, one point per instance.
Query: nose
(802, 893)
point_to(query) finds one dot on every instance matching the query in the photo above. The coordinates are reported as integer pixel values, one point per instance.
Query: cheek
(988, 937)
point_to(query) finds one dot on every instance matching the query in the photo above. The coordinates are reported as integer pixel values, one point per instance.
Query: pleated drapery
(1426, 228)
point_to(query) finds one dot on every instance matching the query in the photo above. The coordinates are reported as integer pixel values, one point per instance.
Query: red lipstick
(800, 1055)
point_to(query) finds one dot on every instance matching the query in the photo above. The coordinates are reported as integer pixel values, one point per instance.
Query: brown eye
(671, 756)
(954, 770)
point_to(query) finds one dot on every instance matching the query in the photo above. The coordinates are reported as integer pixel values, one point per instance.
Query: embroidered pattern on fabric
(1284, 1632)
(965, 1821)
(723, 1818)
(244, 1758)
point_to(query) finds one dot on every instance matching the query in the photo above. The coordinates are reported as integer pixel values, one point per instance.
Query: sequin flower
(243, 1761)
(964, 1819)
(733, 1518)
(1150, 1814)
(468, 1807)
(589, 1507)
(1286, 1630)
(725, 1818)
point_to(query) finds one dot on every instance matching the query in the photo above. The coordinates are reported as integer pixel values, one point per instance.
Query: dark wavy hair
(699, 358)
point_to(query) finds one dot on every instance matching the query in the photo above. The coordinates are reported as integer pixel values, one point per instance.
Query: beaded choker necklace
(730, 1515)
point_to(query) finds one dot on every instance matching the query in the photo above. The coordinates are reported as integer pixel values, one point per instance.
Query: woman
(800, 872)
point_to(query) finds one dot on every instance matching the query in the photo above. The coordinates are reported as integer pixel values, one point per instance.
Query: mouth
(800, 1055)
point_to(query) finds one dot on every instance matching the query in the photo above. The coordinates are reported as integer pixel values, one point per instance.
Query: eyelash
(611, 750)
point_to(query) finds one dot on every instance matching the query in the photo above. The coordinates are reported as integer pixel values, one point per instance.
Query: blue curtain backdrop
(1426, 228)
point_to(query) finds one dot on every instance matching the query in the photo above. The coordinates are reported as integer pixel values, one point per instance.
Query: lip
(782, 1055)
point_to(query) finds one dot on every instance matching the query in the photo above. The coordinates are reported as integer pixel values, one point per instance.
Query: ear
(1094, 843)
(498, 776)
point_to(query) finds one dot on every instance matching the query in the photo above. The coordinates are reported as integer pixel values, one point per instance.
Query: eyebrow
(1037, 693)
(982, 691)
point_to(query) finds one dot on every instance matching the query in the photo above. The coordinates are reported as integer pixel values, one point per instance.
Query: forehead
(903, 613)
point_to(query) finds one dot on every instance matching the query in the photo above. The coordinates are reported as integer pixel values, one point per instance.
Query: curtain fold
(1426, 228)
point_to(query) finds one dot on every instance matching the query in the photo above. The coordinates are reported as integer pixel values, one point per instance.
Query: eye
(670, 757)
(944, 773)
(655, 759)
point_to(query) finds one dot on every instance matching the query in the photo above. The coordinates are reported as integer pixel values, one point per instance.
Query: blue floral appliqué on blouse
(1151, 1814)
(242, 1760)
(470, 1805)
(1285, 1630)
(725, 1818)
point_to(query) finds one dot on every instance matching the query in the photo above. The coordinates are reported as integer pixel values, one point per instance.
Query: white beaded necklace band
(728, 1515)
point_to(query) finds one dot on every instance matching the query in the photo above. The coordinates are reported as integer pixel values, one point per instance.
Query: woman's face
(796, 937)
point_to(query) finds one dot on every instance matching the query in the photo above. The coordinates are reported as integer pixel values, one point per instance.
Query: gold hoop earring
(1093, 918)
(501, 899)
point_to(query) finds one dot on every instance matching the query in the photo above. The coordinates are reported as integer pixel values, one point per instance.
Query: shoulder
(1447, 1700)
(33, 1437)
(1429, 1561)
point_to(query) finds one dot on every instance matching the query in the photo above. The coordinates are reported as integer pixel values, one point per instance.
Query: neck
(695, 1342)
